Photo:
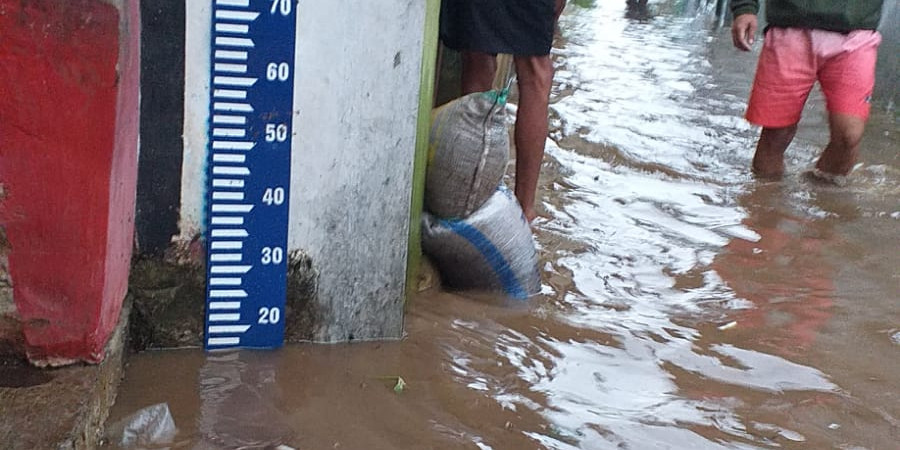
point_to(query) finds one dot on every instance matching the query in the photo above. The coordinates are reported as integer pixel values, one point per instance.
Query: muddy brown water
(685, 303)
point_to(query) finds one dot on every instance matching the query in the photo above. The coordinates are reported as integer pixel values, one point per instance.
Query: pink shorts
(791, 61)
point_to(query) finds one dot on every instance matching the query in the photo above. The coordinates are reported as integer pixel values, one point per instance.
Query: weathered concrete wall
(887, 83)
(68, 119)
(356, 140)
(357, 81)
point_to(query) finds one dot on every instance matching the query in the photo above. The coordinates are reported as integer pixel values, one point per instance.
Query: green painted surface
(426, 96)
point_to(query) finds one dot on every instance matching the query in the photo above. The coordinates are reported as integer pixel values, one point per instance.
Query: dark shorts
(517, 27)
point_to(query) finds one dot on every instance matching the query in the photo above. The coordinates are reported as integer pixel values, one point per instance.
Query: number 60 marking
(278, 71)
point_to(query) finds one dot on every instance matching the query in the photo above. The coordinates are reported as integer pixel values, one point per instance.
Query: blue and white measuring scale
(248, 171)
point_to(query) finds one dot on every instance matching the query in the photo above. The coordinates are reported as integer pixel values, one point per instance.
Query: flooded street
(686, 304)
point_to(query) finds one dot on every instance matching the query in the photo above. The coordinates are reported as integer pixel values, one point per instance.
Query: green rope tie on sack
(497, 96)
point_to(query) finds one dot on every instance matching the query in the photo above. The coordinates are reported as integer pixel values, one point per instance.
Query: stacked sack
(473, 228)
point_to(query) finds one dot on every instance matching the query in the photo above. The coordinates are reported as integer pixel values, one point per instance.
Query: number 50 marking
(276, 133)
(282, 6)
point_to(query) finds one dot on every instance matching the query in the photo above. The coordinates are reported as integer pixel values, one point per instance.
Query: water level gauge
(248, 171)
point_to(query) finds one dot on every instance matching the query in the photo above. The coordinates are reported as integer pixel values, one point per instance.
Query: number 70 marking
(282, 6)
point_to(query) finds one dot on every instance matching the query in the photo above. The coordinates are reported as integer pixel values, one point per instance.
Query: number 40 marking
(273, 196)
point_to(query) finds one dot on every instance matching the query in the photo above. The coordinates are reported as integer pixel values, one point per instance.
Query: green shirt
(832, 15)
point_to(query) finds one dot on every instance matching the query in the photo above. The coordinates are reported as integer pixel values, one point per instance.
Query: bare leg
(535, 75)
(478, 71)
(842, 151)
(769, 158)
(561, 5)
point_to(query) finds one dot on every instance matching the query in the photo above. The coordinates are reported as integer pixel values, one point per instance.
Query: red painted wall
(68, 148)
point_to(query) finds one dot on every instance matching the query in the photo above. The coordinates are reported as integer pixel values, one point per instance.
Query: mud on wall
(169, 291)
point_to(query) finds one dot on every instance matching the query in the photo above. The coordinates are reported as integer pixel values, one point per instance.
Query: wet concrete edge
(169, 297)
(64, 408)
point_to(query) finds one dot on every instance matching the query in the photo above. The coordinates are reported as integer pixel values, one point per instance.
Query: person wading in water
(832, 41)
(480, 29)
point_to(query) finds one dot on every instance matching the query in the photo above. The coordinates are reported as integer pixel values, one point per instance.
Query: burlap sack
(468, 153)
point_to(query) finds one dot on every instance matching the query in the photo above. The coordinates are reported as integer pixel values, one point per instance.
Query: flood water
(686, 305)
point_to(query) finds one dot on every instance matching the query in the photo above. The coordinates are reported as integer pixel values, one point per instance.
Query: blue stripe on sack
(491, 254)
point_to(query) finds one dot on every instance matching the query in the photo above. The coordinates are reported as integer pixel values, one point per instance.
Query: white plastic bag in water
(152, 426)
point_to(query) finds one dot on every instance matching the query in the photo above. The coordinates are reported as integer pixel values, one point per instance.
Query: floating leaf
(400, 386)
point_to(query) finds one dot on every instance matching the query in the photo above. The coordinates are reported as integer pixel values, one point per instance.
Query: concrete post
(353, 210)
(69, 75)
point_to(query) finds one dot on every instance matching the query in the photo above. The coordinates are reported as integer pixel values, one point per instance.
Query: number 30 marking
(272, 255)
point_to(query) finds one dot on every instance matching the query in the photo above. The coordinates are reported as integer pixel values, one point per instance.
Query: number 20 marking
(268, 316)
